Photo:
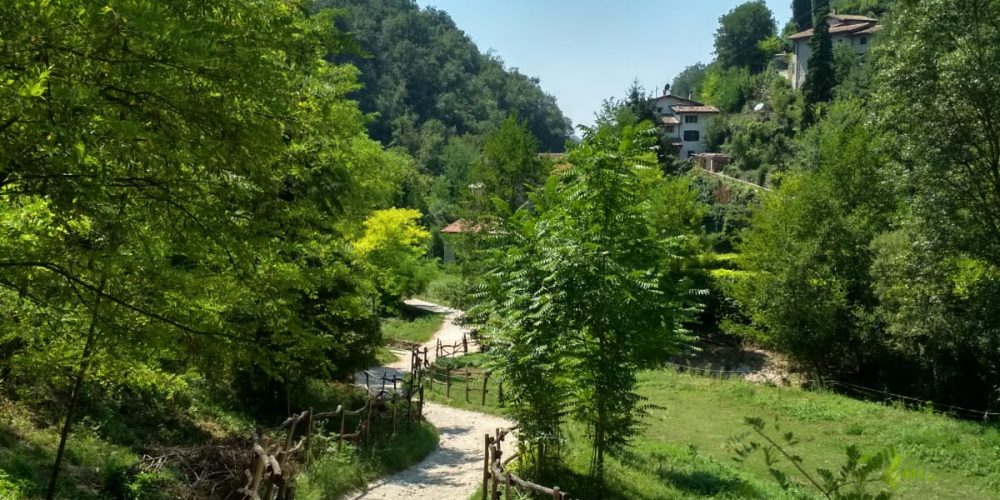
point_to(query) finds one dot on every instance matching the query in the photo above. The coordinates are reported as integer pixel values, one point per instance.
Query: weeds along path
(455, 468)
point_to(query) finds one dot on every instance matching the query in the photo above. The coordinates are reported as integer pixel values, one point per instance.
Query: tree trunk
(88, 351)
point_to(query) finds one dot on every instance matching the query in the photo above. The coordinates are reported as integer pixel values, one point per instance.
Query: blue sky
(587, 50)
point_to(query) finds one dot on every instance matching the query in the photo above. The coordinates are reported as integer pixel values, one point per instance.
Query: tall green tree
(820, 78)
(808, 250)
(942, 267)
(802, 14)
(508, 165)
(179, 192)
(739, 34)
(688, 82)
(593, 287)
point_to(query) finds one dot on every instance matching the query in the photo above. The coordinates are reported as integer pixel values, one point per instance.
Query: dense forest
(210, 213)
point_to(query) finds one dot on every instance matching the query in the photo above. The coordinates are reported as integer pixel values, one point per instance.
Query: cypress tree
(802, 14)
(819, 82)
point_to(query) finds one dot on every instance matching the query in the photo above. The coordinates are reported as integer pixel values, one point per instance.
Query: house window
(691, 136)
(691, 119)
(864, 40)
(670, 129)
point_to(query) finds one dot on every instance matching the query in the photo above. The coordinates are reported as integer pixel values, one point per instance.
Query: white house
(857, 31)
(685, 122)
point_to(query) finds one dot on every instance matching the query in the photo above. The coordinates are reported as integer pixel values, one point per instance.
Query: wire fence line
(857, 389)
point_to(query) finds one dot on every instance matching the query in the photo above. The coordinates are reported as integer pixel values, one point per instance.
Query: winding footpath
(454, 469)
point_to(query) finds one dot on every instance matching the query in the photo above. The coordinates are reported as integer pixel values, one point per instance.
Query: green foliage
(807, 249)
(393, 247)
(689, 81)
(425, 79)
(739, 34)
(818, 87)
(853, 481)
(508, 165)
(338, 472)
(587, 286)
(937, 273)
(802, 14)
(727, 88)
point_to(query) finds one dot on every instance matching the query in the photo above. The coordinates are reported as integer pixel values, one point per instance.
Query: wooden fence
(280, 453)
(496, 474)
(468, 380)
(455, 349)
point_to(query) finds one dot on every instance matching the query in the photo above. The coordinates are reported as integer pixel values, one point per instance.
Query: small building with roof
(684, 122)
(855, 31)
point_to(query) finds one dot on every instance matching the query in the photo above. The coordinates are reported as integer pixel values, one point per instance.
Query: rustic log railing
(495, 473)
(275, 461)
(454, 349)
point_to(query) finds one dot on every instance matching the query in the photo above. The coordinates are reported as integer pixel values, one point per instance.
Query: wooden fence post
(309, 433)
(430, 378)
(465, 343)
(368, 419)
(486, 379)
(486, 465)
(420, 406)
(506, 489)
(340, 437)
(467, 386)
(447, 381)
(394, 398)
(556, 494)
(409, 398)
(500, 394)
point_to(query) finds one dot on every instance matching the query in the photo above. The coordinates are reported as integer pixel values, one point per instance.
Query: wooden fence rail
(274, 462)
(495, 473)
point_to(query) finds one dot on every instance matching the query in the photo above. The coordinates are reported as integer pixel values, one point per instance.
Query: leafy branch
(857, 479)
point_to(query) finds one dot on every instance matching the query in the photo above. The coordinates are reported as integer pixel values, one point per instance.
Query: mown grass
(438, 392)
(412, 326)
(444, 289)
(685, 450)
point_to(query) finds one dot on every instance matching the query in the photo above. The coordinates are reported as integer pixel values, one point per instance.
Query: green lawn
(444, 289)
(684, 450)
(413, 326)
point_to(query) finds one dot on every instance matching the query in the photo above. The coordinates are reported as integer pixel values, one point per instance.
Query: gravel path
(452, 471)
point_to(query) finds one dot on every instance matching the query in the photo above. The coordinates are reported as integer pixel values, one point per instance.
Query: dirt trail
(452, 471)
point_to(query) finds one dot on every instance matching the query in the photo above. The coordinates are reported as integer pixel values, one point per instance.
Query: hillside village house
(685, 122)
(857, 31)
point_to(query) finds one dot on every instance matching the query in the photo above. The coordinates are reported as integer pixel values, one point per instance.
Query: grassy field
(444, 289)
(412, 326)
(685, 451)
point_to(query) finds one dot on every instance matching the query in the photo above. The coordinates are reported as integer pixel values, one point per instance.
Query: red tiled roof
(462, 226)
(695, 109)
